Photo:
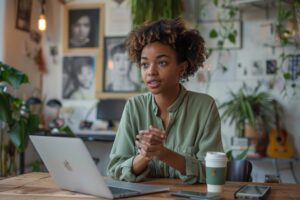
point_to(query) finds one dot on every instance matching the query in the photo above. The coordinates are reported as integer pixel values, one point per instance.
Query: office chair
(239, 170)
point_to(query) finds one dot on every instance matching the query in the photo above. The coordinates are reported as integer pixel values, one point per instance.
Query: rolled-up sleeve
(124, 150)
(121, 169)
(210, 140)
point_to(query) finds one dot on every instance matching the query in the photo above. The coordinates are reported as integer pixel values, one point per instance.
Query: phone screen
(252, 190)
(197, 195)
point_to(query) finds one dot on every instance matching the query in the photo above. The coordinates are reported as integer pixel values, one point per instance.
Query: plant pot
(250, 131)
(239, 170)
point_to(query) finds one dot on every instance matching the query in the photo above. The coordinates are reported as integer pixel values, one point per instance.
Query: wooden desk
(41, 186)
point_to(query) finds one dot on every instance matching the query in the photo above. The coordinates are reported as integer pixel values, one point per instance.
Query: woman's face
(121, 64)
(86, 77)
(160, 69)
(81, 29)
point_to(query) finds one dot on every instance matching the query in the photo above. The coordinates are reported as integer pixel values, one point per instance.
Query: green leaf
(216, 2)
(67, 130)
(36, 166)
(32, 124)
(229, 155)
(282, 55)
(17, 78)
(242, 155)
(12, 76)
(287, 76)
(224, 69)
(235, 32)
(220, 43)
(232, 38)
(213, 33)
(17, 133)
(5, 108)
(250, 114)
(231, 13)
(284, 40)
(209, 52)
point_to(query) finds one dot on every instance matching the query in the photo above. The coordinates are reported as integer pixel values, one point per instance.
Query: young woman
(166, 132)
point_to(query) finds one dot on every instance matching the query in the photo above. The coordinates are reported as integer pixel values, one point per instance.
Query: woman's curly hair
(188, 44)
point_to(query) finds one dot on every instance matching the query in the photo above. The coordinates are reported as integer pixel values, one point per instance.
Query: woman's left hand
(151, 143)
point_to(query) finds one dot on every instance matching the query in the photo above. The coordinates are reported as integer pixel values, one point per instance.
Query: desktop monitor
(110, 110)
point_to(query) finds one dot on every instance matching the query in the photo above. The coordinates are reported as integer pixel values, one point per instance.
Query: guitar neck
(277, 121)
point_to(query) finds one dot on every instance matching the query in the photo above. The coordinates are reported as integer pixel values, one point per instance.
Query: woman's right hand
(150, 143)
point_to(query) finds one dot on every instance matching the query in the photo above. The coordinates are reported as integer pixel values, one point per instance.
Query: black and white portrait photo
(23, 18)
(83, 28)
(120, 73)
(78, 77)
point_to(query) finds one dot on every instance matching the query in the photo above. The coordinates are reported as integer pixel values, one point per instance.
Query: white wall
(18, 45)
(252, 50)
(13, 53)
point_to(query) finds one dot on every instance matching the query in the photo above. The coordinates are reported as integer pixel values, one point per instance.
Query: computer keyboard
(121, 192)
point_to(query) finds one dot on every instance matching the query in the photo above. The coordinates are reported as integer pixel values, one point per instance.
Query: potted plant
(238, 168)
(16, 120)
(248, 107)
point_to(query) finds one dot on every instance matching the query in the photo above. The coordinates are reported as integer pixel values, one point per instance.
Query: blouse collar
(175, 105)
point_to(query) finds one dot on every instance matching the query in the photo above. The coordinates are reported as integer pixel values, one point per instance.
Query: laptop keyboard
(121, 192)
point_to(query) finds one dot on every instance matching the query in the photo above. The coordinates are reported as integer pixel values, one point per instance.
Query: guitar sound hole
(279, 139)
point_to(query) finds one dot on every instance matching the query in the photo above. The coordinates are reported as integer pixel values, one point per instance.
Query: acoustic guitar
(279, 146)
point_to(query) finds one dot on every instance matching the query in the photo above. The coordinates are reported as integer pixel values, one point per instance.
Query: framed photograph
(78, 77)
(84, 27)
(120, 77)
(271, 66)
(23, 15)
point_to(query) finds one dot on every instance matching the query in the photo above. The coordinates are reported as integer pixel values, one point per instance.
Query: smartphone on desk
(195, 195)
(259, 192)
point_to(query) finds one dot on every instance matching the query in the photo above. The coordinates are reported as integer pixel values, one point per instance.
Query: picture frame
(83, 27)
(23, 18)
(271, 66)
(78, 80)
(120, 77)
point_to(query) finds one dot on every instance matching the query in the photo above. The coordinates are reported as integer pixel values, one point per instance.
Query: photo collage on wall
(95, 66)
(83, 41)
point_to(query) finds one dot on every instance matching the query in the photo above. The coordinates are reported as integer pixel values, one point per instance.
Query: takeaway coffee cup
(215, 163)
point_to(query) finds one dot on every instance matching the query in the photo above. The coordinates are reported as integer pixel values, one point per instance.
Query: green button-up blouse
(194, 128)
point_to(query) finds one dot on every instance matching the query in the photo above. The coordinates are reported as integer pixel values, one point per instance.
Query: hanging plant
(287, 31)
(223, 32)
(150, 10)
(225, 18)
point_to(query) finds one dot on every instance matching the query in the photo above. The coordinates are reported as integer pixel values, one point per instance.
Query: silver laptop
(72, 168)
